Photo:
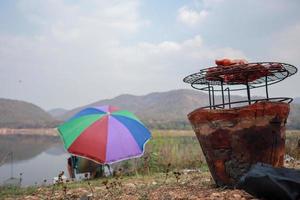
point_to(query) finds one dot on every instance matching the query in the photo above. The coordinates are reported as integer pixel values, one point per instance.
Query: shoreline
(29, 131)
(54, 132)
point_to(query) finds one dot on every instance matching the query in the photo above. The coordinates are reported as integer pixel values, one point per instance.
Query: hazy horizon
(243, 94)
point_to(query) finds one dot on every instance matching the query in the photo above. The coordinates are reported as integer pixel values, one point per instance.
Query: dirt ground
(190, 184)
(183, 184)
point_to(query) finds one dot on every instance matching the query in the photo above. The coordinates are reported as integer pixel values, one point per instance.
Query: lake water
(38, 158)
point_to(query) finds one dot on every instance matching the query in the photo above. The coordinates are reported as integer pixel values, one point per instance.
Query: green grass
(16, 191)
(292, 143)
(168, 149)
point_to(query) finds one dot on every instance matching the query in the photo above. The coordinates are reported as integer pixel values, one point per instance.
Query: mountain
(293, 121)
(296, 100)
(56, 112)
(21, 114)
(168, 110)
(159, 109)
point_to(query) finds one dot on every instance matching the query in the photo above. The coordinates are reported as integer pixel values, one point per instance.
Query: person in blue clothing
(83, 165)
(72, 164)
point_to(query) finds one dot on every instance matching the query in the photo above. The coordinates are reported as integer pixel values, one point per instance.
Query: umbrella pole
(108, 166)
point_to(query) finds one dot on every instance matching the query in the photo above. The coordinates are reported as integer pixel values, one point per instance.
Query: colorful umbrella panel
(104, 134)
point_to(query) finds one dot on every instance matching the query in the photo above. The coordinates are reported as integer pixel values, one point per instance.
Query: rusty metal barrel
(234, 139)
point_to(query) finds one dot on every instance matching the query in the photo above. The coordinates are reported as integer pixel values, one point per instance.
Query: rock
(90, 195)
(288, 158)
(237, 196)
(206, 180)
(215, 194)
(83, 191)
(85, 197)
(100, 188)
(188, 171)
(130, 185)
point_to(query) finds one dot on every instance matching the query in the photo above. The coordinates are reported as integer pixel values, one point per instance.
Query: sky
(68, 53)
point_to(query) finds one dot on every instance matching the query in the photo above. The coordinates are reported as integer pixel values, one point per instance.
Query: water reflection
(38, 158)
(26, 147)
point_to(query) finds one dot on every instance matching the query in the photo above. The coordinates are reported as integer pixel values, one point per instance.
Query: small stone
(237, 196)
(154, 183)
(83, 191)
(100, 188)
(215, 194)
(84, 197)
(90, 195)
(131, 185)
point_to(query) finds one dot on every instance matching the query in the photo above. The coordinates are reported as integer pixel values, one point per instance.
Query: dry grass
(292, 143)
(173, 133)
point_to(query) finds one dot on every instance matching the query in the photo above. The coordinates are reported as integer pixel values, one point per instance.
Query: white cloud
(191, 17)
(96, 19)
(285, 45)
(197, 13)
(80, 55)
(210, 3)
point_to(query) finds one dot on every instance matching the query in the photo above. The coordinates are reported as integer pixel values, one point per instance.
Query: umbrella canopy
(104, 134)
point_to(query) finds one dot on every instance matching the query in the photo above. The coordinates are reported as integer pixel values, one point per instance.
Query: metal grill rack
(237, 77)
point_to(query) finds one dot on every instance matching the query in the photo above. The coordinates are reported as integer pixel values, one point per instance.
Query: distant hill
(168, 110)
(293, 121)
(296, 100)
(160, 109)
(20, 114)
(56, 112)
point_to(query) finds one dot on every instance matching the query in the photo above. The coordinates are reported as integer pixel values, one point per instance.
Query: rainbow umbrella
(104, 134)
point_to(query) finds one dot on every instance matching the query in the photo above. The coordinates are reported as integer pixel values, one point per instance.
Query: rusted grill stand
(235, 134)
